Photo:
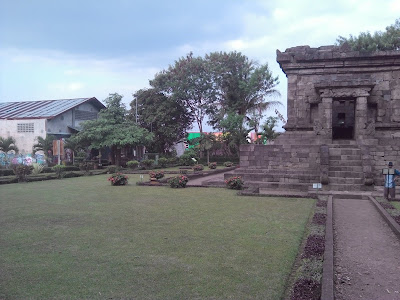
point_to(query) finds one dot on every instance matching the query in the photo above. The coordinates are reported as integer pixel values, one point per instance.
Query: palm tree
(8, 144)
(74, 145)
(206, 143)
(44, 144)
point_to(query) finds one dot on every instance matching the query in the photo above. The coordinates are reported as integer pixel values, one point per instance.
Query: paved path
(199, 181)
(367, 253)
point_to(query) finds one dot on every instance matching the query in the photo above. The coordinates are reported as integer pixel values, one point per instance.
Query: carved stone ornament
(344, 92)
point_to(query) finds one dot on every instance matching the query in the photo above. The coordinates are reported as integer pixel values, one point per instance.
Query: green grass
(395, 204)
(83, 238)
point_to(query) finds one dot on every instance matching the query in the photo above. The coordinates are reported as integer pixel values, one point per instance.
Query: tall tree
(8, 144)
(268, 132)
(234, 131)
(188, 81)
(242, 86)
(378, 41)
(113, 129)
(166, 118)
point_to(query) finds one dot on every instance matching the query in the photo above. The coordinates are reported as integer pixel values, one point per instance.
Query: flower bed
(156, 174)
(178, 181)
(198, 167)
(392, 211)
(118, 179)
(234, 183)
(308, 276)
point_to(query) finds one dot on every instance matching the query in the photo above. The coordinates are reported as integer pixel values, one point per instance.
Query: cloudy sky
(70, 49)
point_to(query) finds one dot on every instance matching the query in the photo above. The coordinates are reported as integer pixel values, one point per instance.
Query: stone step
(347, 174)
(345, 163)
(338, 146)
(344, 142)
(345, 157)
(275, 193)
(279, 185)
(347, 187)
(276, 171)
(344, 151)
(345, 168)
(281, 179)
(342, 180)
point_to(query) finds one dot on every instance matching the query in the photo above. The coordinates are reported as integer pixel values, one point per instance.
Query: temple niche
(343, 110)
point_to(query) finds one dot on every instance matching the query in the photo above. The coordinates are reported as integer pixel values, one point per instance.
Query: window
(25, 127)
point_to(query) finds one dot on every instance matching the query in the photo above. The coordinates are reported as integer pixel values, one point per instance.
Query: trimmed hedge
(6, 172)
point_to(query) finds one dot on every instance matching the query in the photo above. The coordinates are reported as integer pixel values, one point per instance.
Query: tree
(234, 131)
(74, 145)
(112, 129)
(379, 41)
(205, 143)
(166, 118)
(8, 144)
(242, 87)
(44, 144)
(268, 132)
(188, 82)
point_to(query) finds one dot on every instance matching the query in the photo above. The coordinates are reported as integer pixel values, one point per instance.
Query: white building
(24, 121)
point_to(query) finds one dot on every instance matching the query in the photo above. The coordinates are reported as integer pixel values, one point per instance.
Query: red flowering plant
(234, 183)
(178, 181)
(212, 165)
(156, 174)
(198, 167)
(118, 179)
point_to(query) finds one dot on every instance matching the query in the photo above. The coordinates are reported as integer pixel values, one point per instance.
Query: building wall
(72, 118)
(24, 140)
(41, 127)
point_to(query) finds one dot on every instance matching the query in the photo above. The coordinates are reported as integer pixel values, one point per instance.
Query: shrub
(72, 174)
(147, 163)
(188, 158)
(156, 174)
(163, 162)
(178, 181)
(71, 168)
(234, 183)
(37, 168)
(59, 170)
(21, 171)
(132, 164)
(198, 167)
(228, 164)
(172, 160)
(86, 166)
(212, 165)
(6, 172)
(118, 179)
(47, 170)
(112, 169)
(80, 156)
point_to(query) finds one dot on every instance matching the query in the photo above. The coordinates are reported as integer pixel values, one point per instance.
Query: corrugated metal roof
(41, 109)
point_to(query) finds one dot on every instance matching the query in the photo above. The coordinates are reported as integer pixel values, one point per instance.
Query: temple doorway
(343, 119)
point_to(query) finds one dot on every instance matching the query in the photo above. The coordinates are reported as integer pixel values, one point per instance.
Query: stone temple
(343, 126)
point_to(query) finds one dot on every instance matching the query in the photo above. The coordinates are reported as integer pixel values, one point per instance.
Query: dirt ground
(367, 253)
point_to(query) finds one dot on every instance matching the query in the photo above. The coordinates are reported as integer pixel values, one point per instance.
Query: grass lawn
(395, 204)
(83, 238)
